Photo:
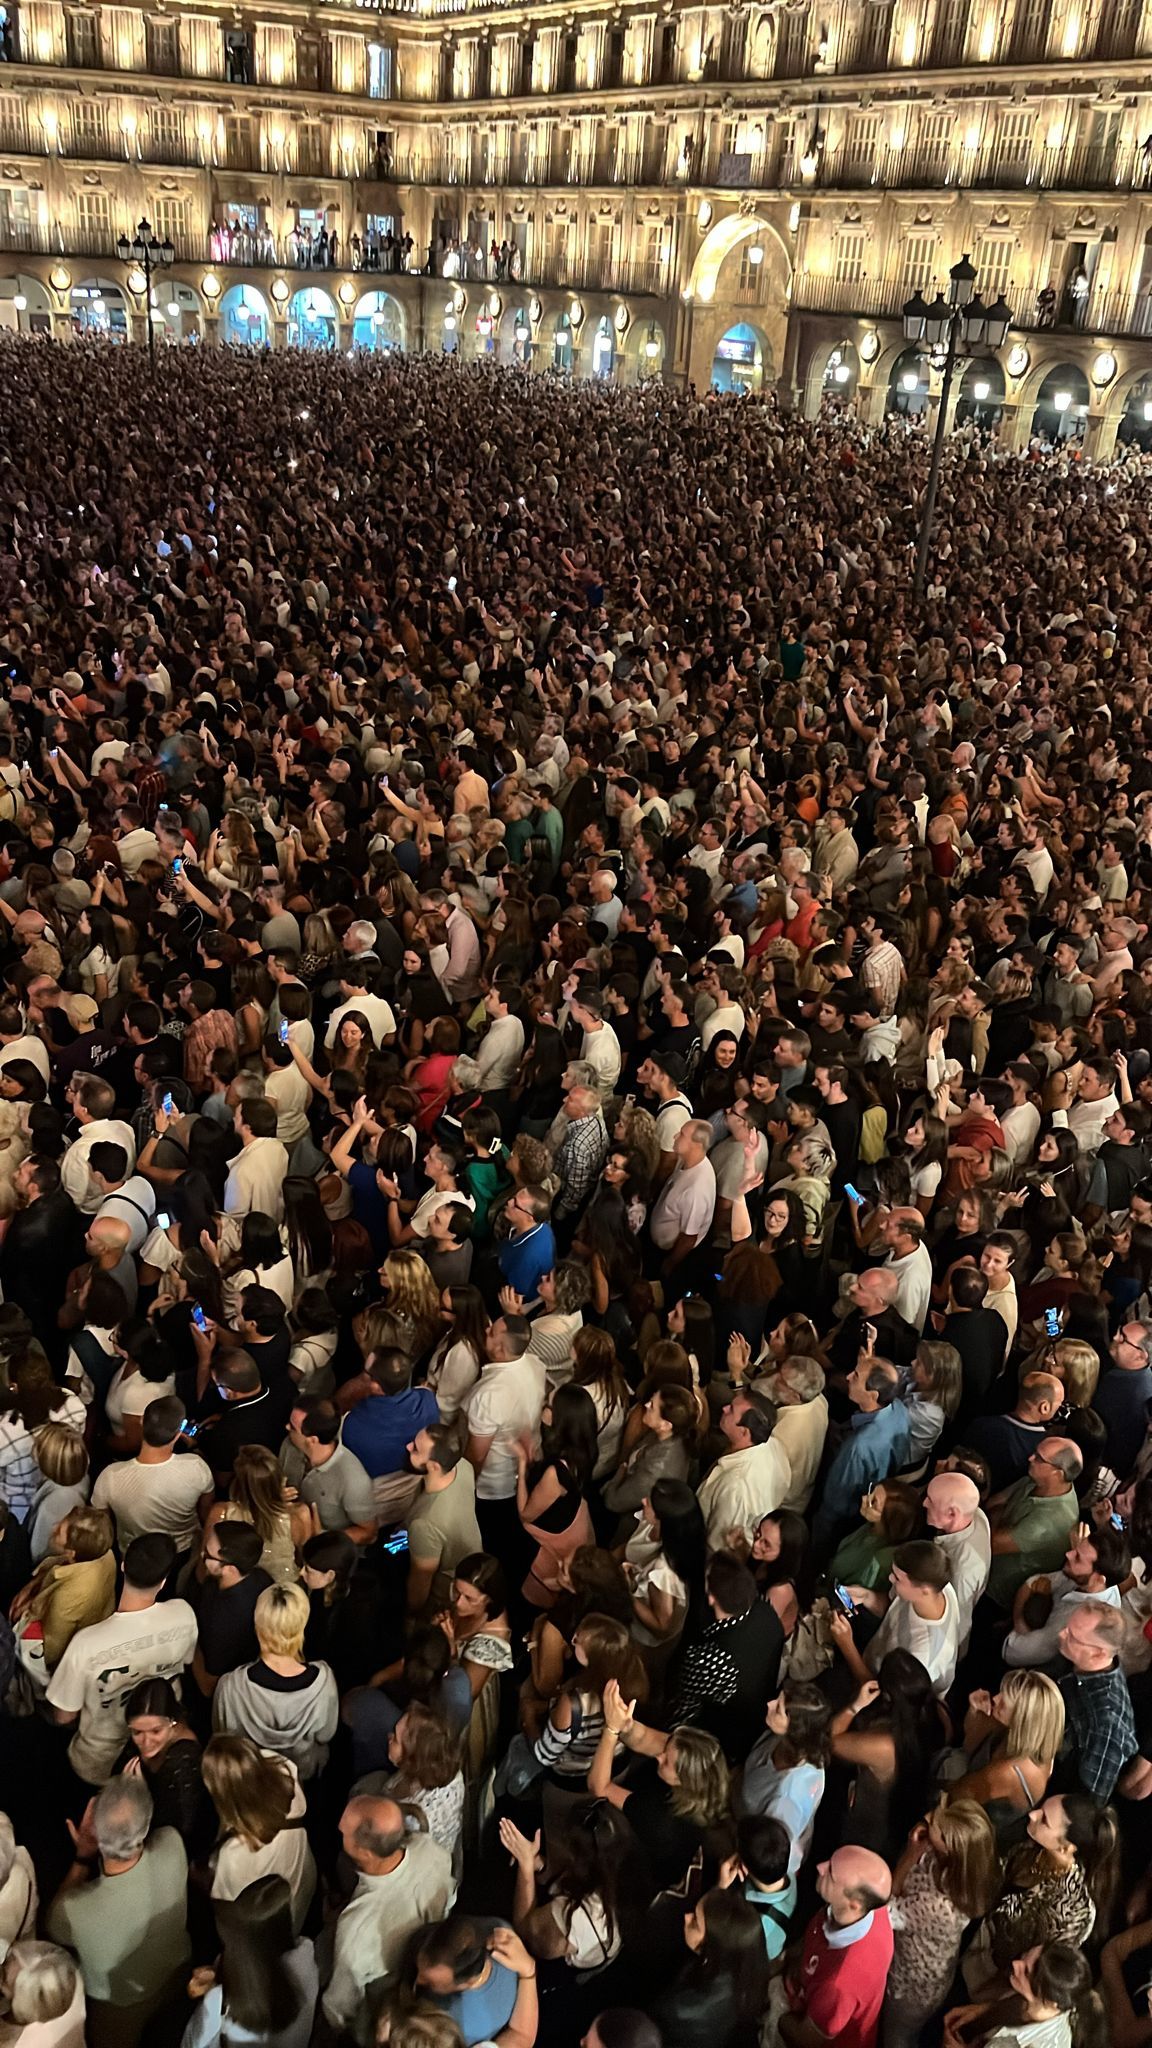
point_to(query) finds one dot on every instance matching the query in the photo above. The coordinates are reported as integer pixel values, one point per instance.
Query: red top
(841, 1990)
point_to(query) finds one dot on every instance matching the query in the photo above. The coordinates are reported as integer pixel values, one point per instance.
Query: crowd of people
(575, 1220)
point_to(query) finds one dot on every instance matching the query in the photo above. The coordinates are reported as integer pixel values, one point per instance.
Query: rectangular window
(1029, 39)
(863, 145)
(950, 31)
(875, 36)
(83, 46)
(169, 217)
(918, 264)
(381, 66)
(793, 46)
(850, 247)
(89, 127)
(163, 49)
(94, 221)
(993, 260)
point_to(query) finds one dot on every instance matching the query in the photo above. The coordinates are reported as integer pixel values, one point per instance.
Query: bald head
(373, 1834)
(1041, 1394)
(875, 1289)
(950, 1502)
(108, 1238)
(853, 1883)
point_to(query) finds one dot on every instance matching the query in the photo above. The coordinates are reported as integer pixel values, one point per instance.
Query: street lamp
(964, 324)
(151, 254)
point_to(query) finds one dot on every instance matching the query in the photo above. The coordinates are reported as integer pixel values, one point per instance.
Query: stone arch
(245, 318)
(312, 318)
(35, 314)
(742, 358)
(1120, 391)
(1034, 376)
(378, 322)
(719, 243)
(818, 364)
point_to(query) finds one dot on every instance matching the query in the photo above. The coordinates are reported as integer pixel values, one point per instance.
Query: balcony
(262, 251)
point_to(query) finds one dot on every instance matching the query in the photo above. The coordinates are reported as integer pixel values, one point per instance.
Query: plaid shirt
(1103, 1732)
(579, 1157)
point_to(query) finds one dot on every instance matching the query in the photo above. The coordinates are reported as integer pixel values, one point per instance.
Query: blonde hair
(970, 1866)
(1036, 1727)
(281, 1617)
(946, 1372)
(412, 1291)
(89, 1533)
(1077, 1365)
(252, 1793)
(703, 1786)
(60, 1454)
(257, 1489)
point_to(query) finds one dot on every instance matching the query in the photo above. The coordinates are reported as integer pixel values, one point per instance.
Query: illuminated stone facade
(742, 193)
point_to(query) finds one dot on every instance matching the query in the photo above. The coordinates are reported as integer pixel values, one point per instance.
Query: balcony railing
(263, 251)
(1115, 313)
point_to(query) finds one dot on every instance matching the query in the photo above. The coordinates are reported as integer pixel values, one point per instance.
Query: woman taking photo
(1011, 1741)
(262, 1992)
(892, 1514)
(261, 1807)
(593, 1904)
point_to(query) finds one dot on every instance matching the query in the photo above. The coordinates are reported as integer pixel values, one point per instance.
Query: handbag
(810, 1651)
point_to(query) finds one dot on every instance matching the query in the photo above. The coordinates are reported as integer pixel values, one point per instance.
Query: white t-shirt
(504, 1404)
(587, 1932)
(103, 1664)
(154, 1500)
(685, 1205)
(131, 1396)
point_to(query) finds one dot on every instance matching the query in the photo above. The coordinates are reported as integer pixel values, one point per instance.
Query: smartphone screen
(200, 1319)
(162, 1220)
(1052, 1321)
(283, 1034)
(169, 1105)
(397, 1544)
(842, 1595)
(178, 865)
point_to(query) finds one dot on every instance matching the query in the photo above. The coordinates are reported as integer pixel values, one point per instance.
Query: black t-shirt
(258, 1419)
(668, 1840)
(225, 1619)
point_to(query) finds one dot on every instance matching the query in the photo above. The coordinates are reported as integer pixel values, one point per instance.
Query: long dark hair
(255, 1930)
(906, 1706)
(570, 1437)
(733, 1947)
(599, 1860)
(309, 1230)
(469, 1318)
(683, 1539)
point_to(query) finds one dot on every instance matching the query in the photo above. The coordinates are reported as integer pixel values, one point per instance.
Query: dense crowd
(575, 1220)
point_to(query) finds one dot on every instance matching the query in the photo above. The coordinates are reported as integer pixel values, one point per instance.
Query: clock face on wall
(870, 346)
(1018, 360)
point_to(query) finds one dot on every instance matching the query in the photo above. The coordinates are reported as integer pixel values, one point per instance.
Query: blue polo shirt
(379, 1430)
(524, 1259)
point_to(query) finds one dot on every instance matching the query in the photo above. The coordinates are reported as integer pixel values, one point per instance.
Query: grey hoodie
(298, 1723)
